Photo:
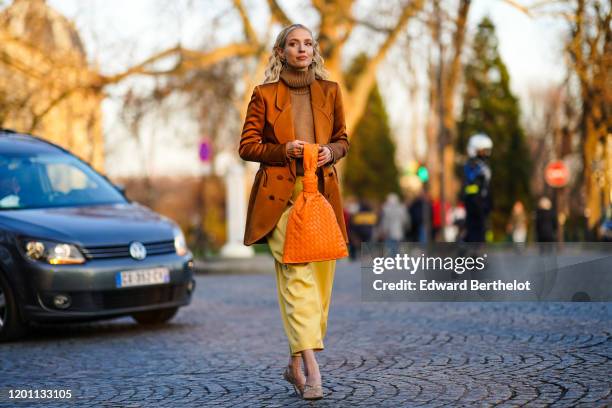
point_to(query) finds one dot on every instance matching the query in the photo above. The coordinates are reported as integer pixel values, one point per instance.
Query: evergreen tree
(489, 107)
(370, 171)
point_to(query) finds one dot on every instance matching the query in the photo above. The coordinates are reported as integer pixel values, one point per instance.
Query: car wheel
(155, 316)
(11, 325)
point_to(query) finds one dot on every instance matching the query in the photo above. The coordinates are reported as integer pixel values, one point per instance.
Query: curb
(256, 265)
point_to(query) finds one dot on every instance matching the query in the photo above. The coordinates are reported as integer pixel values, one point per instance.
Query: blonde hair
(275, 64)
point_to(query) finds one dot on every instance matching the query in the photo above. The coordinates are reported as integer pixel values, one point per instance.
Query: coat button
(330, 174)
(290, 179)
(271, 197)
(279, 177)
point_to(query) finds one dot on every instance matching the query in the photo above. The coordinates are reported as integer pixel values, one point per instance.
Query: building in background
(45, 81)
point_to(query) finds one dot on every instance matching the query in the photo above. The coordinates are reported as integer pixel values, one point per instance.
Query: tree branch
(197, 59)
(519, 7)
(319, 6)
(407, 13)
(139, 68)
(37, 117)
(529, 10)
(372, 26)
(278, 14)
(366, 80)
(18, 65)
(349, 22)
(188, 59)
(249, 33)
(458, 40)
(65, 60)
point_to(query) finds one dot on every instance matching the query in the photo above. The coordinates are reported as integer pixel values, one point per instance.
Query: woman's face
(298, 49)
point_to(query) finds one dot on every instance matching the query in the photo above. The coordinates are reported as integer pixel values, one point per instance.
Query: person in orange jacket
(295, 105)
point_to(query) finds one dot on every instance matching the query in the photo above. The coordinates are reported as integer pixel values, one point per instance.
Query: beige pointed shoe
(312, 392)
(298, 388)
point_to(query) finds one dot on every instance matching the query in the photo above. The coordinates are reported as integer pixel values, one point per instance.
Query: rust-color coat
(268, 127)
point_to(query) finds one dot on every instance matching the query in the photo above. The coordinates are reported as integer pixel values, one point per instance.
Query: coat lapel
(283, 125)
(319, 113)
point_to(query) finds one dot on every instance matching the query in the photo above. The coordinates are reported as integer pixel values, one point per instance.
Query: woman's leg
(295, 365)
(300, 306)
(324, 278)
(311, 366)
(304, 294)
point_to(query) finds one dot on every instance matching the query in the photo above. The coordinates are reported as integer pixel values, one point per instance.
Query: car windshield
(51, 180)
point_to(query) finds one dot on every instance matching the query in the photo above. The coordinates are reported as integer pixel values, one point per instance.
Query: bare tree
(590, 49)
(444, 75)
(337, 23)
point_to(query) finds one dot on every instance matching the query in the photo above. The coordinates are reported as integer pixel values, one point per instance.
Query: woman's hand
(295, 149)
(325, 156)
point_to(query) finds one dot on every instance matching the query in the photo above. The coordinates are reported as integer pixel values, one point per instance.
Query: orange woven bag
(313, 233)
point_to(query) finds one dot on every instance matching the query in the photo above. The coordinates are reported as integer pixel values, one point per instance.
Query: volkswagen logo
(138, 251)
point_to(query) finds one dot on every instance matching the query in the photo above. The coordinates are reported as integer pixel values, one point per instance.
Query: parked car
(74, 248)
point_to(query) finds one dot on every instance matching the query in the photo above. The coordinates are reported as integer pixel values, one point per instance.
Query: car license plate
(142, 277)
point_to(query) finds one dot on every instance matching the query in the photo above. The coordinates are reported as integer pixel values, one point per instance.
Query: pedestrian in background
(476, 190)
(546, 221)
(420, 213)
(351, 208)
(436, 218)
(363, 223)
(280, 120)
(394, 220)
(517, 226)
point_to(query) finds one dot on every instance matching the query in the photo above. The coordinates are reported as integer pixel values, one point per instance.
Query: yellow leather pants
(304, 290)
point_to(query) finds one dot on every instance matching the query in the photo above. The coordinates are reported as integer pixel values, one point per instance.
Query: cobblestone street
(228, 349)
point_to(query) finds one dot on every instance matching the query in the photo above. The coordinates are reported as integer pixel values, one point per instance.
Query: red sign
(556, 174)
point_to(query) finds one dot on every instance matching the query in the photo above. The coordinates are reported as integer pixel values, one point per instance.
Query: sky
(118, 33)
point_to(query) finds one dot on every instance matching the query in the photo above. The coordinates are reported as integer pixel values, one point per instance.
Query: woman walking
(294, 106)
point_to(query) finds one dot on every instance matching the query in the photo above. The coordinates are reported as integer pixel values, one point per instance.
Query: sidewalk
(257, 265)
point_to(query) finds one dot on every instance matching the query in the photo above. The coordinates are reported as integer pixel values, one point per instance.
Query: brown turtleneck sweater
(301, 108)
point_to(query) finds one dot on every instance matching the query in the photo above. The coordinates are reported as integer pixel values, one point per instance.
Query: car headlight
(55, 253)
(179, 242)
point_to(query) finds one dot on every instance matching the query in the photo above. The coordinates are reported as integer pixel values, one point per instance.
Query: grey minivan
(74, 248)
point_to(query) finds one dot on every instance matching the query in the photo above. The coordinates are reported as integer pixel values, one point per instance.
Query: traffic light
(423, 174)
